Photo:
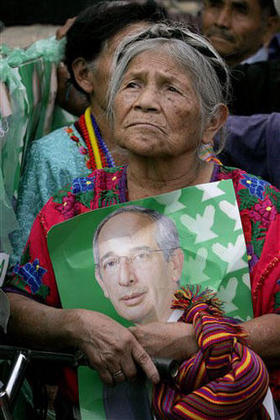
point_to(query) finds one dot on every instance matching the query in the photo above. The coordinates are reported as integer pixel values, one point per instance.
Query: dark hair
(98, 23)
(269, 6)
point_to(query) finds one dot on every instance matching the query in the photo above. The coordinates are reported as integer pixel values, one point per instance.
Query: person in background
(253, 144)
(167, 98)
(68, 152)
(239, 29)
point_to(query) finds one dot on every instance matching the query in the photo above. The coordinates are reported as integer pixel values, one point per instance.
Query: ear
(176, 264)
(272, 26)
(215, 123)
(83, 74)
(101, 282)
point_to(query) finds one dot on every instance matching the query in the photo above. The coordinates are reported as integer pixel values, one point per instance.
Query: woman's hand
(111, 348)
(173, 340)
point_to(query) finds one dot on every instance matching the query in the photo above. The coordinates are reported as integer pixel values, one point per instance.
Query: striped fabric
(224, 379)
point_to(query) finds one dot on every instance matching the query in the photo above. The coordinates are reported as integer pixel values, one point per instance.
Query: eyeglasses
(138, 259)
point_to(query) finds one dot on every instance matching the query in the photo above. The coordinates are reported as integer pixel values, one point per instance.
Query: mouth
(147, 125)
(132, 299)
(220, 36)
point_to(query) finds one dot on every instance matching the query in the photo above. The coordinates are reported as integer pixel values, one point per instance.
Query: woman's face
(156, 110)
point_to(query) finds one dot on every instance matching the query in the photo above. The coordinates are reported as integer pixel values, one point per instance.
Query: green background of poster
(211, 237)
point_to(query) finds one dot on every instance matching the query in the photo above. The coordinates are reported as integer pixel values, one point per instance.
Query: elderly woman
(167, 98)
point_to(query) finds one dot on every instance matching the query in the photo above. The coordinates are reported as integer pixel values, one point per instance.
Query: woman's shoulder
(101, 188)
(55, 141)
(244, 180)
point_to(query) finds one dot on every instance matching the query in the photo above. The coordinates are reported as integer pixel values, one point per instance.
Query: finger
(119, 376)
(117, 372)
(129, 367)
(105, 376)
(97, 363)
(145, 362)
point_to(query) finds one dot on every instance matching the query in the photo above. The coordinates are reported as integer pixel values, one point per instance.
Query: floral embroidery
(83, 184)
(252, 257)
(69, 207)
(108, 198)
(82, 149)
(255, 185)
(32, 274)
(263, 211)
(59, 196)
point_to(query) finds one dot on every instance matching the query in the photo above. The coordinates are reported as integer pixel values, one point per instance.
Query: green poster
(140, 255)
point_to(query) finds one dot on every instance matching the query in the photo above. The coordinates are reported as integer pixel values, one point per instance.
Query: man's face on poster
(133, 271)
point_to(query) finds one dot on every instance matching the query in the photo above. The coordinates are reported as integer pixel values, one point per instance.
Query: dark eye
(110, 264)
(172, 89)
(213, 3)
(142, 255)
(241, 8)
(131, 85)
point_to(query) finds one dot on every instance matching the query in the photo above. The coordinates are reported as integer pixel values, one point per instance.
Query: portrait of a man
(138, 263)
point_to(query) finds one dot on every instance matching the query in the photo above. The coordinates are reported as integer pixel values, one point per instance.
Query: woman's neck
(147, 177)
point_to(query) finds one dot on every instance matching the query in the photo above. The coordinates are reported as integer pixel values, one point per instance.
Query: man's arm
(109, 346)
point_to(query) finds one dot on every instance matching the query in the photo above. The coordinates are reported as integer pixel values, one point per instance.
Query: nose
(126, 273)
(224, 17)
(147, 100)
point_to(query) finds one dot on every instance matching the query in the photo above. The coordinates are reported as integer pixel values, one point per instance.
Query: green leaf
(58, 197)
(85, 198)
(43, 291)
(247, 200)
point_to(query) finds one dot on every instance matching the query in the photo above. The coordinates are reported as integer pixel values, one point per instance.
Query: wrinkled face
(102, 73)
(236, 28)
(156, 110)
(133, 272)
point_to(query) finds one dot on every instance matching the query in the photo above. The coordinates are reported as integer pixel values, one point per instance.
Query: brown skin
(95, 84)
(236, 28)
(177, 340)
(108, 345)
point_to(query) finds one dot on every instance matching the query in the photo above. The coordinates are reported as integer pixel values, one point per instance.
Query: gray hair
(208, 71)
(166, 237)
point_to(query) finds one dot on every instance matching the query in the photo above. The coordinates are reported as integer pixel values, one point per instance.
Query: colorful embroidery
(255, 185)
(108, 198)
(264, 212)
(83, 184)
(59, 196)
(86, 149)
(69, 207)
(252, 257)
(32, 274)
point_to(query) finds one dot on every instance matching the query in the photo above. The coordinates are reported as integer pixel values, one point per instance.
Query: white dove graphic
(195, 266)
(171, 201)
(232, 254)
(201, 225)
(210, 190)
(227, 294)
(231, 210)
